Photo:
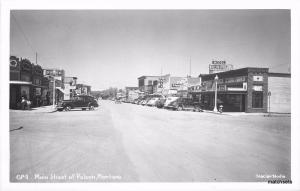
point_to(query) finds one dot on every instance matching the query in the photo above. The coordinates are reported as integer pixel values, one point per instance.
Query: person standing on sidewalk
(23, 103)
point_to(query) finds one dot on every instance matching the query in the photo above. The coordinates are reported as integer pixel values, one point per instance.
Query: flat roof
(241, 71)
(147, 76)
(273, 74)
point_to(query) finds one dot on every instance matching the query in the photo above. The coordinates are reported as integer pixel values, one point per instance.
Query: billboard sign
(219, 66)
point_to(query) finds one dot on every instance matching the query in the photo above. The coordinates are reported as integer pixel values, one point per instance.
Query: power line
(21, 30)
(27, 40)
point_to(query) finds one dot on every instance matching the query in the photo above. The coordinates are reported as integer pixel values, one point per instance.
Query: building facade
(70, 87)
(131, 93)
(26, 80)
(241, 90)
(147, 84)
(57, 76)
(82, 89)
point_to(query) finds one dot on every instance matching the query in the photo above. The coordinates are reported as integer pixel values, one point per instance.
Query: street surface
(133, 143)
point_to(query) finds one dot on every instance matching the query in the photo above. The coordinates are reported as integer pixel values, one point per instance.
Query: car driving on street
(82, 102)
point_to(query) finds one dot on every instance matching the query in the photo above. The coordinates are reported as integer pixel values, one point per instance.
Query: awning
(20, 82)
(62, 90)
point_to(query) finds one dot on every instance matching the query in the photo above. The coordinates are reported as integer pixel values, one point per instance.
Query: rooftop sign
(219, 66)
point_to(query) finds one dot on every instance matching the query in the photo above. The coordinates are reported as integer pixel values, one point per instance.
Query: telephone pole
(190, 66)
(36, 58)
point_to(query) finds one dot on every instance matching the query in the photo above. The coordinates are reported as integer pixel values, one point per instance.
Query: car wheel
(83, 109)
(179, 108)
(92, 107)
(67, 108)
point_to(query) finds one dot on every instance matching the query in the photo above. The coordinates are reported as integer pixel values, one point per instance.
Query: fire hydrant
(221, 108)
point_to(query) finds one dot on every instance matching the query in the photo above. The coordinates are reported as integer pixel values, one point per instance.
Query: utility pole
(190, 66)
(36, 58)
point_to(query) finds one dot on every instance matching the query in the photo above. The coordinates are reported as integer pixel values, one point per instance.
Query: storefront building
(69, 87)
(37, 86)
(18, 87)
(167, 85)
(147, 84)
(131, 93)
(25, 81)
(82, 89)
(57, 76)
(240, 90)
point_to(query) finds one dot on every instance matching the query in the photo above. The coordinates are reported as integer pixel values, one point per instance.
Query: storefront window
(257, 99)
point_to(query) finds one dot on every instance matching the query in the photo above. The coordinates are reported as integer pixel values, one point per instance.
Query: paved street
(127, 142)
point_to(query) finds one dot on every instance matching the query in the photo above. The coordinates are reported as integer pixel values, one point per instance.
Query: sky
(112, 48)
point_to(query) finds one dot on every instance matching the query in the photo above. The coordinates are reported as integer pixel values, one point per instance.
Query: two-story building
(69, 87)
(147, 84)
(25, 81)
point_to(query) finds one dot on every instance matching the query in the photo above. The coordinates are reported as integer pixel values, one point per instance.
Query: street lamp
(54, 73)
(216, 90)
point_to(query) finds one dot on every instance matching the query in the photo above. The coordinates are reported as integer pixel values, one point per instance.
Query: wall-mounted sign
(53, 72)
(235, 79)
(13, 63)
(258, 78)
(239, 87)
(257, 88)
(38, 91)
(179, 83)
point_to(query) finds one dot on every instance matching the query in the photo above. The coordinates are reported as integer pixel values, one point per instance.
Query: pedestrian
(23, 103)
(28, 104)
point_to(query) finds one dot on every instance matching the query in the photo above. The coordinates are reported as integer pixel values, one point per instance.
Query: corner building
(241, 90)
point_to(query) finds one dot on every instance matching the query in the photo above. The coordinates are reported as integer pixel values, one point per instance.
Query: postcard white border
(7, 5)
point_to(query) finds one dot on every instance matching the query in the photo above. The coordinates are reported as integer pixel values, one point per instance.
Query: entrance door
(13, 97)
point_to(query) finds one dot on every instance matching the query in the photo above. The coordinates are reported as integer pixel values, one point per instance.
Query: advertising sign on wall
(258, 78)
(179, 83)
(38, 91)
(219, 66)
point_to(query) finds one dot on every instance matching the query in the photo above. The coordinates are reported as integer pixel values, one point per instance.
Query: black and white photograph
(149, 96)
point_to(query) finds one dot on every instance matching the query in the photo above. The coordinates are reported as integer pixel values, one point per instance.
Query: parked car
(145, 101)
(169, 101)
(152, 102)
(185, 104)
(82, 101)
(160, 103)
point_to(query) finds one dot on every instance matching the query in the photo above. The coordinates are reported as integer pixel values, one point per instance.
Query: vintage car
(180, 104)
(153, 101)
(82, 102)
(160, 103)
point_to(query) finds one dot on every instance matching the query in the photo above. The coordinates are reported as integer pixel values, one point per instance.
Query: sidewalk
(249, 114)
(42, 109)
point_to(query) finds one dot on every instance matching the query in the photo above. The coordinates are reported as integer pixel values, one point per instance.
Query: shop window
(257, 99)
(150, 82)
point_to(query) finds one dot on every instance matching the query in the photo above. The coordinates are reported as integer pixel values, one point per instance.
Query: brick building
(241, 90)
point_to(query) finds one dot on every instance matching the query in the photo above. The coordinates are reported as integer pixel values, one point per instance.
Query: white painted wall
(280, 88)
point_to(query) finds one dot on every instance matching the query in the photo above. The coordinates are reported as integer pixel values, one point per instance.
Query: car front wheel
(92, 107)
(68, 108)
(179, 108)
